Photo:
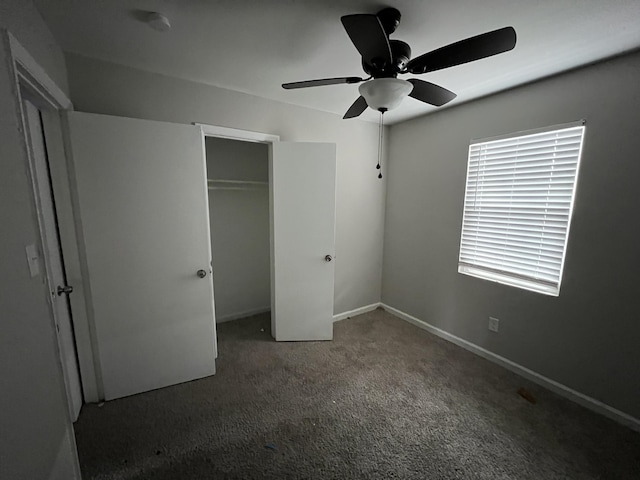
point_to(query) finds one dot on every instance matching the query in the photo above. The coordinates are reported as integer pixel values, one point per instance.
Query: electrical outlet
(494, 324)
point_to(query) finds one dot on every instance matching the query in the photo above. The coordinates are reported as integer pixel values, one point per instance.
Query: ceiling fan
(384, 59)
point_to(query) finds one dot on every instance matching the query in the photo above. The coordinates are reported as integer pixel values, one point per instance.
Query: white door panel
(303, 195)
(53, 258)
(141, 189)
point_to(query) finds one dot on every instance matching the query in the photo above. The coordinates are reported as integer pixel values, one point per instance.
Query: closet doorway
(299, 218)
(238, 186)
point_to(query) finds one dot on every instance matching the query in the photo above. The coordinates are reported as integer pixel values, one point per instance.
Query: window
(517, 207)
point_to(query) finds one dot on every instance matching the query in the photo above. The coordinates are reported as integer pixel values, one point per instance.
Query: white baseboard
(580, 398)
(66, 465)
(246, 313)
(357, 311)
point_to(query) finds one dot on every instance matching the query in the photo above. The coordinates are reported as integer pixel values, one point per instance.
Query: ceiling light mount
(158, 21)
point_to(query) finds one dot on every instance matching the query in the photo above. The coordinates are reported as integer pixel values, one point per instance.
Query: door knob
(66, 289)
(328, 258)
(201, 273)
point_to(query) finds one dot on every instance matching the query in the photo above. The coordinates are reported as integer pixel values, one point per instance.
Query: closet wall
(238, 180)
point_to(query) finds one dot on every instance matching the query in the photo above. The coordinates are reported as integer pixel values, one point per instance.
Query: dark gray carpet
(383, 400)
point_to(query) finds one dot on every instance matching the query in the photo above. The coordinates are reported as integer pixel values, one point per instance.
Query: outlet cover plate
(494, 324)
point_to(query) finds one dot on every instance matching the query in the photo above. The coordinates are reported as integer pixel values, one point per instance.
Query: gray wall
(239, 227)
(36, 434)
(102, 87)
(22, 19)
(587, 338)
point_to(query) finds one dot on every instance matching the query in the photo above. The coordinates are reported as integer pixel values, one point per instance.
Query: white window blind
(517, 207)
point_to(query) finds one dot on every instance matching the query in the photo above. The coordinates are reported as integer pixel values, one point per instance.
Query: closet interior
(238, 186)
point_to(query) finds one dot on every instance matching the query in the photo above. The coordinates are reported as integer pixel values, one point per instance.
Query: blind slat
(531, 259)
(552, 156)
(517, 226)
(512, 264)
(550, 242)
(525, 250)
(532, 167)
(508, 176)
(524, 214)
(505, 268)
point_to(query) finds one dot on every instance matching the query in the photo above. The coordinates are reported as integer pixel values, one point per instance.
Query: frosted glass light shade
(385, 93)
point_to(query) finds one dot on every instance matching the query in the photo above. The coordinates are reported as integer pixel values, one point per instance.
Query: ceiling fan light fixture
(385, 93)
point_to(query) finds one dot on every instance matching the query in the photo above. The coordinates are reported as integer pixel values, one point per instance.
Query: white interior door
(53, 259)
(302, 205)
(142, 195)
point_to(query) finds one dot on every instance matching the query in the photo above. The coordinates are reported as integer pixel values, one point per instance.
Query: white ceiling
(254, 46)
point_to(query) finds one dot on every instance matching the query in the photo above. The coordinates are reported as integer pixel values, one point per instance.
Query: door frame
(53, 103)
(254, 137)
(236, 134)
(51, 100)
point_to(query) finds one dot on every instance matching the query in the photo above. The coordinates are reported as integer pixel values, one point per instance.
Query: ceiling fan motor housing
(400, 53)
(400, 56)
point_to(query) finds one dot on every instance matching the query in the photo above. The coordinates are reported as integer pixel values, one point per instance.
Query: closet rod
(239, 182)
(233, 188)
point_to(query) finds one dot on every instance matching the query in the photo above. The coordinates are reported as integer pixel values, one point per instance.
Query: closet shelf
(236, 185)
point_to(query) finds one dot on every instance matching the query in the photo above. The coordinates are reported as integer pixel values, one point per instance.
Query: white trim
(236, 134)
(61, 467)
(356, 311)
(31, 75)
(573, 395)
(25, 69)
(255, 137)
(23, 59)
(246, 313)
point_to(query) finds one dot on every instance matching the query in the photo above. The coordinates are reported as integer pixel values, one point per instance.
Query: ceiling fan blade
(321, 82)
(359, 106)
(430, 93)
(368, 36)
(468, 50)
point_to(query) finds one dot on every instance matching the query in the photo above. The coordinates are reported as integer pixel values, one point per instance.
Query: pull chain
(380, 133)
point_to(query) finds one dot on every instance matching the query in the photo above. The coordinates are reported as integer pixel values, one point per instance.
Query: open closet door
(303, 204)
(143, 210)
